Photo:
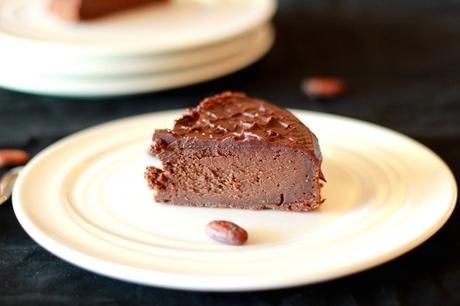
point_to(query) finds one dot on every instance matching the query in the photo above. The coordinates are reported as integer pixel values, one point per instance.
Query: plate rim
(150, 64)
(94, 264)
(145, 83)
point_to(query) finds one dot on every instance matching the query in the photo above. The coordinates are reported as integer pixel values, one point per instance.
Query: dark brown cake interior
(237, 151)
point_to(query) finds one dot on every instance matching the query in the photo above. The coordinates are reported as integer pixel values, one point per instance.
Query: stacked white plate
(152, 48)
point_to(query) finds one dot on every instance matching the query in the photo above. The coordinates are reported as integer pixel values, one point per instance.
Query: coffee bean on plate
(226, 232)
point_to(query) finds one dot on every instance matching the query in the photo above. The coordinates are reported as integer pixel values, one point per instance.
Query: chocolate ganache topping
(234, 116)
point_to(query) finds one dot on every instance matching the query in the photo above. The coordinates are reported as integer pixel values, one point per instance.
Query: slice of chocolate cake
(76, 10)
(236, 151)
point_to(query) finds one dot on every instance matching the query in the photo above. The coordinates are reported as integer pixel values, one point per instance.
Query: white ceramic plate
(85, 200)
(95, 86)
(27, 27)
(109, 67)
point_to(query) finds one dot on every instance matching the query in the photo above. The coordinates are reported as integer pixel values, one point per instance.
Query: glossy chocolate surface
(238, 117)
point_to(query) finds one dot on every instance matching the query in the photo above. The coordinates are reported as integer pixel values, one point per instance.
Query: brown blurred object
(77, 10)
(226, 232)
(13, 157)
(323, 87)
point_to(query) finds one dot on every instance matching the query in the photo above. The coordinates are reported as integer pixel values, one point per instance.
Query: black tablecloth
(401, 61)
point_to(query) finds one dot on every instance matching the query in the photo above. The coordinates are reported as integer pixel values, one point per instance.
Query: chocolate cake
(240, 152)
(76, 10)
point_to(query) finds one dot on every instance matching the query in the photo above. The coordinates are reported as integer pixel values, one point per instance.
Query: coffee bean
(12, 157)
(226, 232)
(323, 87)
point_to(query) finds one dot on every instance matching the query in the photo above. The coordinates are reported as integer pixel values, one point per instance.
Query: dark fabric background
(401, 60)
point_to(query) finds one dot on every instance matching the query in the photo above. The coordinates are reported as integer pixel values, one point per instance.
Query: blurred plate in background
(113, 85)
(162, 46)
